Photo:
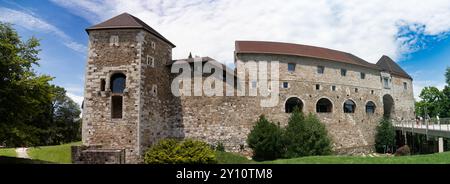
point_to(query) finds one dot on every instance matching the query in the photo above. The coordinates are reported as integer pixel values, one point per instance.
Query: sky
(415, 33)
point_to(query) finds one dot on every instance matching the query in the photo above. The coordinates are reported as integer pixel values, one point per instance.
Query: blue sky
(415, 34)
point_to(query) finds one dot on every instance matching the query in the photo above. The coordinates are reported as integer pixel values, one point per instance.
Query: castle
(128, 104)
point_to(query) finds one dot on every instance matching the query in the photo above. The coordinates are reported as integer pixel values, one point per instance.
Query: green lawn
(437, 158)
(8, 152)
(56, 154)
(231, 158)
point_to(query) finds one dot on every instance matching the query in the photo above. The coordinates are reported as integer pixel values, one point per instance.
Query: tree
(27, 116)
(445, 102)
(266, 140)
(431, 103)
(306, 136)
(385, 136)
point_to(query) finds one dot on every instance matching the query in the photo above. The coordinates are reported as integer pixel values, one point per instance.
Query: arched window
(349, 106)
(118, 83)
(370, 107)
(324, 106)
(291, 103)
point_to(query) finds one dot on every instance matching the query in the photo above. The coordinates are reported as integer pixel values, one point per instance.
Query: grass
(231, 158)
(8, 152)
(437, 158)
(56, 154)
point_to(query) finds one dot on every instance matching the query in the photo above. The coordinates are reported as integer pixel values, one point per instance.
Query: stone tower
(126, 67)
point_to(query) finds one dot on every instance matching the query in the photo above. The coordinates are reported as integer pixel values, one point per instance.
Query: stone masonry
(150, 112)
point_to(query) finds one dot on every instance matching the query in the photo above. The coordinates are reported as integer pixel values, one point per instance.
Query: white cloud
(76, 98)
(367, 29)
(33, 23)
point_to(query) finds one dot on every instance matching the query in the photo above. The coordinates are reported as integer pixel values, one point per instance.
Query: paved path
(22, 153)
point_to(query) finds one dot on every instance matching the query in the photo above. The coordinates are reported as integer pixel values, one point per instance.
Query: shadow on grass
(14, 160)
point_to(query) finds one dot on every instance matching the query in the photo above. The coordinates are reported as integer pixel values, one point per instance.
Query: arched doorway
(293, 102)
(388, 106)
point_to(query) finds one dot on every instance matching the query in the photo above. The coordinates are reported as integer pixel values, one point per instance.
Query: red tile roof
(127, 21)
(300, 50)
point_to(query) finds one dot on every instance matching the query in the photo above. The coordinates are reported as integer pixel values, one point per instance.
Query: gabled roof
(300, 50)
(127, 21)
(388, 65)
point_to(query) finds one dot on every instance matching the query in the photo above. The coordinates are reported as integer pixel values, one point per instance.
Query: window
(320, 69)
(370, 107)
(371, 92)
(102, 84)
(118, 83)
(405, 85)
(324, 106)
(254, 84)
(356, 90)
(291, 67)
(333, 88)
(343, 72)
(116, 107)
(363, 75)
(285, 85)
(349, 106)
(114, 40)
(150, 61)
(292, 103)
(386, 82)
(317, 86)
(153, 45)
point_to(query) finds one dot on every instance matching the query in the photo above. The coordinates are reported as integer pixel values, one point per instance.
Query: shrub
(306, 136)
(171, 151)
(266, 140)
(403, 151)
(220, 147)
(385, 136)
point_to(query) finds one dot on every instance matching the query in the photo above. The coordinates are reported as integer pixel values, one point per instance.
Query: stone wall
(151, 112)
(104, 60)
(230, 119)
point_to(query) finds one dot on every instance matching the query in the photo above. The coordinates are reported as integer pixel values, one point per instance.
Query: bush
(220, 147)
(306, 136)
(403, 151)
(171, 151)
(385, 136)
(266, 140)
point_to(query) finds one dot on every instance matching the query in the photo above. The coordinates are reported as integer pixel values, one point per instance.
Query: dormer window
(386, 84)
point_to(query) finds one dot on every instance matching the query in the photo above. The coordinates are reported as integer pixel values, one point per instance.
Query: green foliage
(306, 136)
(385, 136)
(431, 102)
(33, 112)
(403, 151)
(266, 140)
(220, 147)
(171, 151)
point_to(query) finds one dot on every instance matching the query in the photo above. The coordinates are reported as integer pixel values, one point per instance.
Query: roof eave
(130, 27)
